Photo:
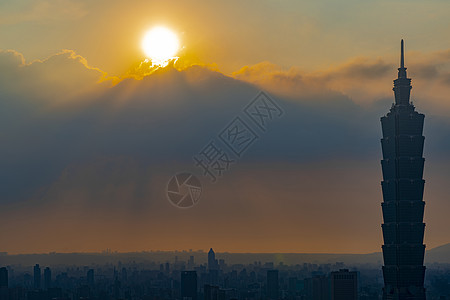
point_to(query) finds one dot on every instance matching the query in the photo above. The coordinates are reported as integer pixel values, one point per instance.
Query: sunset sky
(90, 134)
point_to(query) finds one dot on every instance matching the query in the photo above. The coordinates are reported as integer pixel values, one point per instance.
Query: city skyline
(203, 275)
(173, 281)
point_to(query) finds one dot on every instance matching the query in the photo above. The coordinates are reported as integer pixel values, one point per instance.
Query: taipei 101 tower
(403, 185)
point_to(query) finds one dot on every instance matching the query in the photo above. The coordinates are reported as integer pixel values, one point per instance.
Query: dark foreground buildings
(344, 285)
(272, 284)
(189, 285)
(403, 204)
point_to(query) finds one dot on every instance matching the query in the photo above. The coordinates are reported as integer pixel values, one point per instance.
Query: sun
(160, 45)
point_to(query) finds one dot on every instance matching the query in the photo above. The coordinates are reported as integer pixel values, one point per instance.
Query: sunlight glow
(160, 45)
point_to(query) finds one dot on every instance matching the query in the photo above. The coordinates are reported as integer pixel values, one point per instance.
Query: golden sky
(309, 34)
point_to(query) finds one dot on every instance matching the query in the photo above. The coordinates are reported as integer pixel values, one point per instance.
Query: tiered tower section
(403, 186)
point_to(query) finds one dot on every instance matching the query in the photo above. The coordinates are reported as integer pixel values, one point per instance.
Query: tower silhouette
(37, 277)
(212, 261)
(47, 278)
(403, 185)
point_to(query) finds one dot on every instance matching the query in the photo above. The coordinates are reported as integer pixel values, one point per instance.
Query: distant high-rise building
(90, 277)
(344, 285)
(4, 292)
(3, 277)
(167, 267)
(221, 264)
(47, 278)
(317, 288)
(212, 262)
(212, 292)
(191, 262)
(37, 277)
(189, 285)
(403, 186)
(272, 284)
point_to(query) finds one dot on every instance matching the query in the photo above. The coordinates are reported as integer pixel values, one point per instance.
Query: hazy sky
(88, 141)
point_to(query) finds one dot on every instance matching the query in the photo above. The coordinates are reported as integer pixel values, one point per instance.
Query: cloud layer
(86, 156)
(363, 80)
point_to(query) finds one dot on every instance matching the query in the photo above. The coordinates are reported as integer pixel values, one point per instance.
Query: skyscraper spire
(402, 69)
(402, 58)
(402, 85)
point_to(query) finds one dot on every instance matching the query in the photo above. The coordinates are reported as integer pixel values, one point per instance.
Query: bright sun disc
(160, 45)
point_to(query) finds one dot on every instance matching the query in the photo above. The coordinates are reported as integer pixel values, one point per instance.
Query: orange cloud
(363, 80)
